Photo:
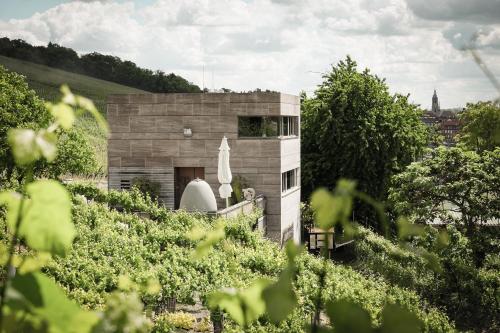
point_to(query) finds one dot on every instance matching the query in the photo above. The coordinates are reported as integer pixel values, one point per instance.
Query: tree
(20, 107)
(480, 126)
(354, 128)
(453, 186)
(75, 156)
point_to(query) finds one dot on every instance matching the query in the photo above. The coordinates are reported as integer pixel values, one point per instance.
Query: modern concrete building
(174, 138)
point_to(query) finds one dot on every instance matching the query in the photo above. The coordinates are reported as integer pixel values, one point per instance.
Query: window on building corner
(289, 126)
(290, 179)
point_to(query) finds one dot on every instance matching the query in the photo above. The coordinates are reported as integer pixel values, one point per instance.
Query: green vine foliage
(164, 247)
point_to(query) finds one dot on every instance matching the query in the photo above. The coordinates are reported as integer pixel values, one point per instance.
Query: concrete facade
(147, 139)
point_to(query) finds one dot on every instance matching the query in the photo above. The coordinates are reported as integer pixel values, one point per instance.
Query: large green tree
(20, 107)
(355, 128)
(452, 186)
(480, 126)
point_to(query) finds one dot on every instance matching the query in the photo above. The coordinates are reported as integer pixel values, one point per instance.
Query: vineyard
(112, 243)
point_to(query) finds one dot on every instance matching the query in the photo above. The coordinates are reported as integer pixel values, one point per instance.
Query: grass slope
(46, 81)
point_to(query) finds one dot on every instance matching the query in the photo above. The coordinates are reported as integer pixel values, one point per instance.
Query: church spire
(435, 103)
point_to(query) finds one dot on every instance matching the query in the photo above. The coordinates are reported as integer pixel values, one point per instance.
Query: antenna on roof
(203, 84)
(213, 85)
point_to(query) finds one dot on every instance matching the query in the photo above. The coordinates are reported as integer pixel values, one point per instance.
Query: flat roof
(210, 97)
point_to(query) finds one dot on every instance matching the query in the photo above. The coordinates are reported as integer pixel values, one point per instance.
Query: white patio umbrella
(224, 171)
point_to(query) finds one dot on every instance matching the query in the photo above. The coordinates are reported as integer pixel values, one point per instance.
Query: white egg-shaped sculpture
(198, 197)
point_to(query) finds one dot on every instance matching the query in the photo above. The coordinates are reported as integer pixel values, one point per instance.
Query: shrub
(147, 187)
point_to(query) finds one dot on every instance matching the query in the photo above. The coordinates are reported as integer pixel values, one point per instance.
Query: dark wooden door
(182, 177)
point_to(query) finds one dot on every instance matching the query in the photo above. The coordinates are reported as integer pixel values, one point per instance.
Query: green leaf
(124, 312)
(292, 250)
(11, 200)
(210, 239)
(228, 301)
(196, 233)
(23, 144)
(34, 263)
(345, 187)
(253, 301)
(280, 297)
(244, 306)
(348, 317)
(407, 229)
(433, 261)
(443, 239)
(4, 254)
(47, 225)
(125, 283)
(322, 203)
(63, 113)
(87, 105)
(36, 294)
(68, 97)
(28, 146)
(395, 319)
(47, 144)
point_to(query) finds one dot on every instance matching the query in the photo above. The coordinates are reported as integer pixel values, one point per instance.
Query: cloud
(272, 44)
(477, 11)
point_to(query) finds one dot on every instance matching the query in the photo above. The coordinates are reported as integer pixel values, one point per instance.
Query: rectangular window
(258, 127)
(125, 184)
(289, 126)
(289, 180)
(267, 127)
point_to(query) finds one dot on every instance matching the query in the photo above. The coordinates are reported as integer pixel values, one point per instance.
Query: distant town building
(446, 120)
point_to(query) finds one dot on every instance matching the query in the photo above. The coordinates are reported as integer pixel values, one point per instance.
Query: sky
(282, 45)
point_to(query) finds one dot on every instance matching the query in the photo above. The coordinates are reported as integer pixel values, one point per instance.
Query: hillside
(46, 81)
(102, 66)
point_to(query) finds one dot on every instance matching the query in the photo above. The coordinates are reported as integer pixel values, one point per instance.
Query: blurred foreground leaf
(348, 317)
(208, 239)
(38, 295)
(244, 306)
(46, 224)
(395, 319)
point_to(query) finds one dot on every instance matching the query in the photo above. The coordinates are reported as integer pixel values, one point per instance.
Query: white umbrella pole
(224, 171)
